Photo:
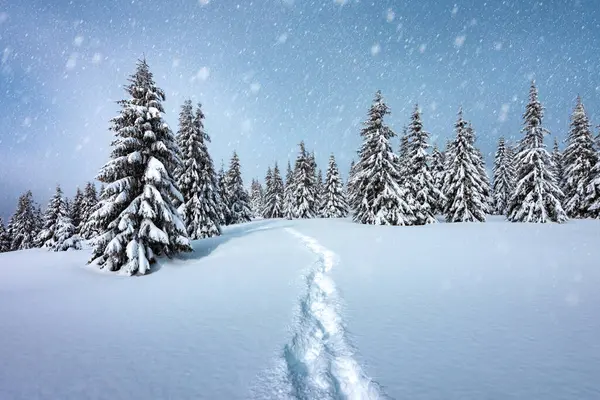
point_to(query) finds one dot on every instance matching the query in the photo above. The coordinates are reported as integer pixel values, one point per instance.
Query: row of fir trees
(161, 190)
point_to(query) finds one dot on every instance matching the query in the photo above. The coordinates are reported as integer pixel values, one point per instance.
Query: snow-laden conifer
(419, 180)
(239, 200)
(377, 196)
(536, 197)
(437, 170)
(56, 210)
(224, 195)
(334, 203)
(289, 204)
(256, 198)
(578, 160)
(90, 226)
(197, 179)
(319, 188)
(466, 200)
(137, 214)
(76, 214)
(274, 195)
(557, 164)
(304, 185)
(504, 178)
(65, 237)
(4, 238)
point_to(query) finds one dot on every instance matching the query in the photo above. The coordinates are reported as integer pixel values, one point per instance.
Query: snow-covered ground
(320, 309)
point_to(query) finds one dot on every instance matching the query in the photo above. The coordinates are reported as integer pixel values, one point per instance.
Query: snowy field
(315, 309)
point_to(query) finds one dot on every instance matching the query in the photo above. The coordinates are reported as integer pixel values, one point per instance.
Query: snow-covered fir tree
(485, 186)
(463, 183)
(334, 204)
(197, 179)
(76, 213)
(593, 191)
(578, 160)
(4, 238)
(404, 156)
(350, 175)
(315, 189)
(90, 226)
(256, 197)
(419, 180)
(239, 200)
(274, 194)
(504, 178)
(268, 182)
(65, 237)
(224, 195)
(437, 170)
(137, 213)
(557, 164)
(319, 191)
(536, 197)
(57, 209)
(376, 196)
(289, 205)
(304, 185)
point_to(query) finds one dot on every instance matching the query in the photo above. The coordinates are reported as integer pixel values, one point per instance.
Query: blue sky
(273, 72)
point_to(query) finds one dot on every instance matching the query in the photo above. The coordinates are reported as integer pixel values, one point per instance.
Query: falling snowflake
(255, 87)
(422, 48)
(78, 41)
(455, 10)
(498, 46)
(203, 2)
(97, 58)
(375, 49)
(391, 15)
(460, 40)
(504, 112)
(71, 62)
(202, 74)
(282, 38)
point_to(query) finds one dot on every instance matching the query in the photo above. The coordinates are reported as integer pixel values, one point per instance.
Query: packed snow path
(319, 360)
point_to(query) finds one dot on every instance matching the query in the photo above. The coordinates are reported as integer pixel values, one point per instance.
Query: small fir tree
(334, 199)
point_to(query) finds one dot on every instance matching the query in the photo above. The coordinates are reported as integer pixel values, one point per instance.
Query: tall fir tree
(315, 186)
(404, 157)
(274, 195)
(256, 198)
(304, 185)
(350, 175)
(239, 201)
(485, 187)
(138, 216)
(557, 164)
(593, 189)
(23, 226)
(419, 180)
(76, 214)
(536, 197)
(90, 203)
(289, 204)
(334, 204)
(224, 195)
(377, 197)
(268, 184)
(437, 170)
(319, 188)
(4, 238)
(56, 210)
(463, 184)
(197, 178)
(578, 160)
(504, 178)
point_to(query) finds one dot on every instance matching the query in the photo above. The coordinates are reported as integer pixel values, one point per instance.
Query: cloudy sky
(270, 73)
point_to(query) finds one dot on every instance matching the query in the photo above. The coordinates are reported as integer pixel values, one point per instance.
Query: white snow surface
(314, 309)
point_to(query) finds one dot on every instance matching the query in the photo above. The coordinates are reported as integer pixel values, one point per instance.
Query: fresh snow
(314, 309)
